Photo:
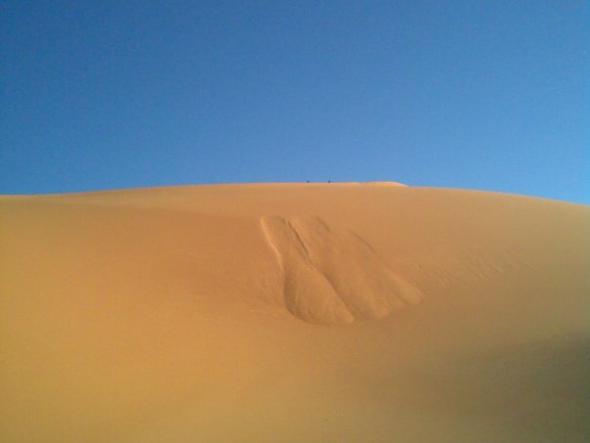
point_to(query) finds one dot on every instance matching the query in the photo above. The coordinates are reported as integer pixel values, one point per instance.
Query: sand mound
(333, 276)
(294, 313)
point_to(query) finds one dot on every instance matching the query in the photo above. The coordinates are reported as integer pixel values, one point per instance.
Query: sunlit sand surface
(294, 313)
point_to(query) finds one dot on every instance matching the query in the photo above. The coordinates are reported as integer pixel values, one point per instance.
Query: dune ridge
(294, 312)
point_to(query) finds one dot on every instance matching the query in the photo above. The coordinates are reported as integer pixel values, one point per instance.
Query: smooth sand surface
(294, 313)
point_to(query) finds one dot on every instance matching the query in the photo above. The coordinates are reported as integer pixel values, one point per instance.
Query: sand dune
(333, 277)
(294, 312)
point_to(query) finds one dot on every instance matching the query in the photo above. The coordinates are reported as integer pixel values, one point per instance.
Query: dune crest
(287, 312)
(333, 276)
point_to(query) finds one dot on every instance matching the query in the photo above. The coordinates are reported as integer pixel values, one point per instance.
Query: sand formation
(294, 313)
(333, 276)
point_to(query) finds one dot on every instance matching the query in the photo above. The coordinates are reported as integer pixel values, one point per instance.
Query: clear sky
(473, 94)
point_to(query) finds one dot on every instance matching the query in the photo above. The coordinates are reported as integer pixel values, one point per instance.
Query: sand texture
(294, 313)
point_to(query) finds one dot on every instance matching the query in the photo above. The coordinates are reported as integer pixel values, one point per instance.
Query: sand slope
(294, 312)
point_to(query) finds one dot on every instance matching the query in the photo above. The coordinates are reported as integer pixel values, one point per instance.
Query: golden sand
(294, 313)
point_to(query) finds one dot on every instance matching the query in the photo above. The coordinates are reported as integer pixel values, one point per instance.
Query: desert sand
(294, 313)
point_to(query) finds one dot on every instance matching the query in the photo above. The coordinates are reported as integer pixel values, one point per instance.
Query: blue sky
(110, 94)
